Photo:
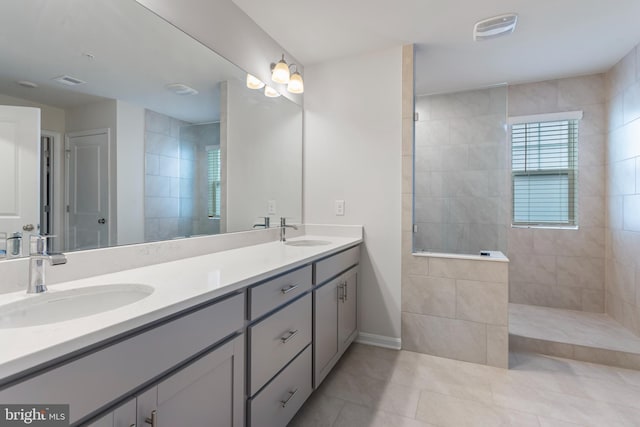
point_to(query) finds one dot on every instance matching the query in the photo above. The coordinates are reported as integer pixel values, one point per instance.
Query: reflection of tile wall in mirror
(133, 56)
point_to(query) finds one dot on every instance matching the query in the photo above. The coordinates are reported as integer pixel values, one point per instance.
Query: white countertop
(177, 285)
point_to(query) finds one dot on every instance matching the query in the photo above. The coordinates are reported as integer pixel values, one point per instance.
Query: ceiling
(554, 38)
(135, 55)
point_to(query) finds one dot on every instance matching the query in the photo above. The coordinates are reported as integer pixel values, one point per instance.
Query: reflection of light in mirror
(253, 82)
(271, 92)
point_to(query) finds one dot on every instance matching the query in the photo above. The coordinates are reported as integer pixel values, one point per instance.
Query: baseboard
(379, 341)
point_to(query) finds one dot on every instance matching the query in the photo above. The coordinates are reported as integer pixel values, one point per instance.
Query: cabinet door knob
(346, 290)
(288, 289)
(287, 338)
(153, 420)
(102, 221)
(341, 295)
(286, 401)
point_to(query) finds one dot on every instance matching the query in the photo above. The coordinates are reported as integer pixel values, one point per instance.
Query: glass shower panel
(461, 176)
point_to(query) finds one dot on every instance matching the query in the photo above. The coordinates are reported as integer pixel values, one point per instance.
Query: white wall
(353, 151)
(263, 156)
(130, 176)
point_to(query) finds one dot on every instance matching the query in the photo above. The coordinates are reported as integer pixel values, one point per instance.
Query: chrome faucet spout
(283, 227)
(37, 272)
(39, 255)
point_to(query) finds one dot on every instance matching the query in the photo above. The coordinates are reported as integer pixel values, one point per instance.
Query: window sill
(548, 227)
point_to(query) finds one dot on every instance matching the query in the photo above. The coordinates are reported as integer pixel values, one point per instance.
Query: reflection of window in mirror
(213, 181)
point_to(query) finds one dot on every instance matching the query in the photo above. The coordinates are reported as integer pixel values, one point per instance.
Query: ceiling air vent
(69, 81)
(181, 89)
(497, 26)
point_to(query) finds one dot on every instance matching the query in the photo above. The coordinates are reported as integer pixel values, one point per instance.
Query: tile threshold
(590, 337)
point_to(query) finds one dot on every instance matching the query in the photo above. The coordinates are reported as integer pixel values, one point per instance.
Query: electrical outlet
(271, 207)
(339, 207)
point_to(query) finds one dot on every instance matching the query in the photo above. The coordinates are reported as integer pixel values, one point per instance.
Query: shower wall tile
(482, 302)
(430, 295)
(565, 268)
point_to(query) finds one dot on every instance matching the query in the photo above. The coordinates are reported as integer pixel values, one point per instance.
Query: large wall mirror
(118, 128)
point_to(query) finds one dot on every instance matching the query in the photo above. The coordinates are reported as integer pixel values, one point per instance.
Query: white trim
(495, 256)
(379, 341)
(548, 117)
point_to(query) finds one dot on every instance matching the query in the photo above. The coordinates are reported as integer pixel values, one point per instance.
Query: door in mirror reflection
(19, 189)
(88, 220)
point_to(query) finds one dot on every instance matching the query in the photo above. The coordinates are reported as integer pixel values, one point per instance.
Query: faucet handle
(38, 244)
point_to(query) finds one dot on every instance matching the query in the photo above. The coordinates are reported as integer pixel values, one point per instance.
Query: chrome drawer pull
(341, 295)
(288, 289)
(291, 335)
(153, 420)
(291, 394)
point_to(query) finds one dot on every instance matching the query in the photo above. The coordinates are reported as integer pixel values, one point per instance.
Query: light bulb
(271, 92)
(281, 73)
(296, 85)
(253, 82)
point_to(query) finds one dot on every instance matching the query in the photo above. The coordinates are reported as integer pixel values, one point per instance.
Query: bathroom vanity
(234, 338)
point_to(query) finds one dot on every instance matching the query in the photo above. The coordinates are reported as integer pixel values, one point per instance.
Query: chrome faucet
(36, 263)
(283, 227)
(266, 222)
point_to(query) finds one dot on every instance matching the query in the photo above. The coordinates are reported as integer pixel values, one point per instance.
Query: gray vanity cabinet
(207, 392)
(335, 310)
(347, 309)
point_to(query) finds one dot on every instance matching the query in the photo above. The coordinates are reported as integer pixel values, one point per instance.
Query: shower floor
(590, 337)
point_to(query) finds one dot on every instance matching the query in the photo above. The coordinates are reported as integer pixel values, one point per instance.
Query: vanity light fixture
(283, 73)
(296, 85)
(280, 72)
(271, 92)
(253, 82)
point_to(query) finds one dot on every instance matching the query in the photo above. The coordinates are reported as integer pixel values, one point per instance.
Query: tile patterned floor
(571, 327)
(375, 387)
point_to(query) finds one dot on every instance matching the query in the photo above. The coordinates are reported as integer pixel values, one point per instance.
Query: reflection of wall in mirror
(261, 145)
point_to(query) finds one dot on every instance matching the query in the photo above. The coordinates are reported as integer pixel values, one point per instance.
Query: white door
(88, 220)
(19, 170)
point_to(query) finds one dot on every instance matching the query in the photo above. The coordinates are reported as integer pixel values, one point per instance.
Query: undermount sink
(307, 242)
(58, 306)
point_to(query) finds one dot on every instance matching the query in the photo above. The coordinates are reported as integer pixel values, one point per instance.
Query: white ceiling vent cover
(69, 81)
(497, 26)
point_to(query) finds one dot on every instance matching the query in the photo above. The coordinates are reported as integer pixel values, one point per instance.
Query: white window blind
(213, 182)
(544, 170)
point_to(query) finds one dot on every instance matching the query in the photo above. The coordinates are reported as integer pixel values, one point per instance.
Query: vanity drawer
(92, 381)
(277, 403)
(269, 295)
(277, 339)
(336, 264)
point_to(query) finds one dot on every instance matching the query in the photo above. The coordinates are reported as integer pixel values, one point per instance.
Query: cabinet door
(347, 309)
(123, 416)
(325, 328)
(209, 392)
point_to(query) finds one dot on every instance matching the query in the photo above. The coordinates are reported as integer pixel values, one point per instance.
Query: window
(544, 161)
(213, 181)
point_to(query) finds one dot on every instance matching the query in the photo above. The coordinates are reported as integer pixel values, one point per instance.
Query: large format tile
(453, 338)
(444, 410)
